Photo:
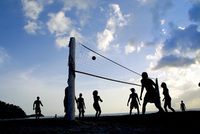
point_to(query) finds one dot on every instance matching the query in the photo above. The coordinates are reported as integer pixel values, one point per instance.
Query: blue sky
(160, 37)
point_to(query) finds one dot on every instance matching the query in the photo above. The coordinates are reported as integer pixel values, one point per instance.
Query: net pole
(71, 80)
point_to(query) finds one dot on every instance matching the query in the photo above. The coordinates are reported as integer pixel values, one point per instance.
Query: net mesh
(102, 67)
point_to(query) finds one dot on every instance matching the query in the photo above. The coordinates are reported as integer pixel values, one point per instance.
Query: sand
(167, 123)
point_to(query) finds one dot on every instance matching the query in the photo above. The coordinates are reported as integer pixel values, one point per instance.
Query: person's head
(95, 92)
(132, 90)
(38, 98)
(144, 75)
(80, 95)
(181, 101)
(163, 85)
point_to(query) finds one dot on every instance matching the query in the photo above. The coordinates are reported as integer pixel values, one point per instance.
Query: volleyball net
(94, 64)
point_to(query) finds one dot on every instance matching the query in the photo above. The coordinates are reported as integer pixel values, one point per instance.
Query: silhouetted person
(167, 98)
(134, 101)
(96, 103)
(36, 107)
(81, 105)
(151, 94)
(65, 102)
(182, 106)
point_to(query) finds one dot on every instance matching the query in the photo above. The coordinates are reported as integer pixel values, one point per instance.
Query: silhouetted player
(182, 106)
(81, 105)
(36, 107)
(151, 94)
(167, 98)
(134, 101)
(96, 103)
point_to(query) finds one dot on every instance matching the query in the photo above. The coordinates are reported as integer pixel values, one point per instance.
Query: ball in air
(93, 58)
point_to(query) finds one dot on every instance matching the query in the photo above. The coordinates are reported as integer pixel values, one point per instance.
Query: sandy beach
(167, 123)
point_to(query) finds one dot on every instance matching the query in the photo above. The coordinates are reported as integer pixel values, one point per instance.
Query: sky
(156, 36)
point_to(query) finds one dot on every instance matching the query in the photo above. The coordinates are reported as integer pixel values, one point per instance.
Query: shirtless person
(81, 105)
(151, 94)
(36, 107)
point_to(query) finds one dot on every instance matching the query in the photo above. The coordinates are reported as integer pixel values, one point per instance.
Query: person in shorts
(134, 101)
(151, 95)
(36, 107)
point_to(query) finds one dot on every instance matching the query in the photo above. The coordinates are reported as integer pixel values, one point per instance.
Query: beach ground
(167, 123)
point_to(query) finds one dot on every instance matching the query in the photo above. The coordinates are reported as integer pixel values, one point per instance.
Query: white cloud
(115, 21)
(64, 41)
(162, 22)
(59, 23)
(32, 8)
(3, 56)
(31, 27)
(116, 48)
(182, 28)
(133, 44)
(79, 4)
(129, 48)
(142, 1)
(104, 39)
(77, 35)
(140, 46)
(101, 9)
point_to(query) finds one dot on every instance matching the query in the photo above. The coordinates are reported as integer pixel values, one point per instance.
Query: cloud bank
(116, 20)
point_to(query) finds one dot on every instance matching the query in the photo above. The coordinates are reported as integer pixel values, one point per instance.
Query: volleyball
(93, 58)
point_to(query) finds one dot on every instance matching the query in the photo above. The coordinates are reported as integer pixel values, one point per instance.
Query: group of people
(81, 104)
(151, 96)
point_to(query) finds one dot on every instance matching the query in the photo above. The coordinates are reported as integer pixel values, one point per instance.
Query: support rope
(107, 78)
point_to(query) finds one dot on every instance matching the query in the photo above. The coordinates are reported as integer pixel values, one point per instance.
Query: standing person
(81, 105)
(36, 107)
(167, 98)
(134, 101)
(182, 106)
(151, 94)
(96, 103)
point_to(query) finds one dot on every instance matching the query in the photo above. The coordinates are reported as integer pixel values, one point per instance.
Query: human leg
(144, 107)
(130, 111)
(165, 107)
(159, 107)
(138, 111)
(169, 106)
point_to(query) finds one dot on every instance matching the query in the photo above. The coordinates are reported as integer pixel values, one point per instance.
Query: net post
(71, 80)
(157, 87)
